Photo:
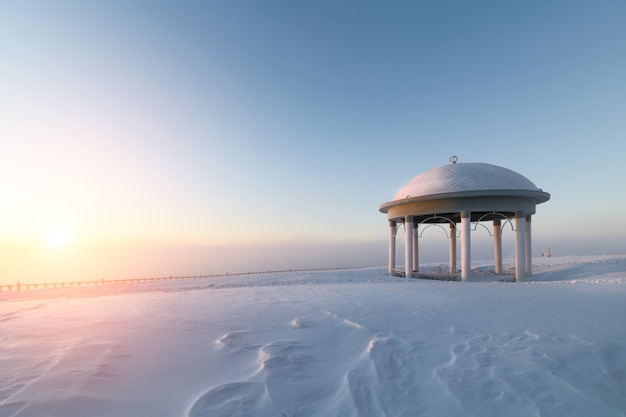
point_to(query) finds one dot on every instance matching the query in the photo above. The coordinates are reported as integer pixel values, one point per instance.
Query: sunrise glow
(148, 138)
(58, 237)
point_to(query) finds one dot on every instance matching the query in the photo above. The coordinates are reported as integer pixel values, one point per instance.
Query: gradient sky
(167, 137)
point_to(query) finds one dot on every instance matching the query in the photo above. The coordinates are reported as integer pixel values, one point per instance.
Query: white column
(529, 252)
(452, 248)
(520, 246)
(416, 265)
(497, 246)
(392, 245)
(466, 257)
(408, 246)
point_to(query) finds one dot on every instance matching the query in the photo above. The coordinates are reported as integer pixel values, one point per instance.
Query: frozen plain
(341, 343)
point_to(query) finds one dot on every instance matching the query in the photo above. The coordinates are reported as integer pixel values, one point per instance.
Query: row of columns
(523, 249)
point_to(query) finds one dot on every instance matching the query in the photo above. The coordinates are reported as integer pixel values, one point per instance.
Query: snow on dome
(462, 177)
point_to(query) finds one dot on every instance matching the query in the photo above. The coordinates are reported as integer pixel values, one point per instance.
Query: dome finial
(453, 159)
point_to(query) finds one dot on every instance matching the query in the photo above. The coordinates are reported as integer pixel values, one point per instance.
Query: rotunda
(463, 194)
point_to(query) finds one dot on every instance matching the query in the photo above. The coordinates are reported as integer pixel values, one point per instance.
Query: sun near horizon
(58, 237)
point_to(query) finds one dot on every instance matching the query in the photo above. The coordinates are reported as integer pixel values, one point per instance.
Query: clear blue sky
(278, 124)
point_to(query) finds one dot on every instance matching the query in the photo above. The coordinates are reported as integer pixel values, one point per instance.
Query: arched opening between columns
(500, 246)
(404, 254)
(405, 232)
(448, 269)
(400, 246)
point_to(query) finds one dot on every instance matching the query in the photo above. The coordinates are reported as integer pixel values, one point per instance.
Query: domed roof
(464, 177)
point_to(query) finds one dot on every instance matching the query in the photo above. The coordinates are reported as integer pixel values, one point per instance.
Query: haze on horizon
(171, 138)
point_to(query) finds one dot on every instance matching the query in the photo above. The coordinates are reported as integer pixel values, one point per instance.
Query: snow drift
(345, 343)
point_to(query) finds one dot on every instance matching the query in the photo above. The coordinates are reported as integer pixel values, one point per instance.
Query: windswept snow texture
(348, 343)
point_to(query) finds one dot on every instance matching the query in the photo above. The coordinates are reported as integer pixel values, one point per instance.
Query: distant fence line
(21, 287)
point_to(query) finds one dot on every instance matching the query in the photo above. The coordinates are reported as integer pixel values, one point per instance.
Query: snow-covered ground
(342, 343)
